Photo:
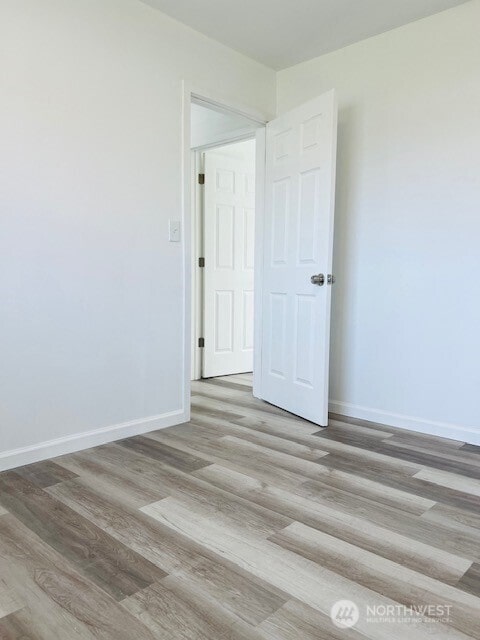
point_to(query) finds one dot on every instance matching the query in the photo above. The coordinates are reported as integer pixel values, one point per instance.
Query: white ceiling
(281, 33)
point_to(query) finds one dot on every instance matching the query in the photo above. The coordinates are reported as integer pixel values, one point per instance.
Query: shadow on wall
(343, 298)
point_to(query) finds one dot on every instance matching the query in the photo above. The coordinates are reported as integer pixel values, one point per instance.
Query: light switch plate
(174, 230)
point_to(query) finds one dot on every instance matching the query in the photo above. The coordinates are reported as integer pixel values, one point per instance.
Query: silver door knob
(318, 279)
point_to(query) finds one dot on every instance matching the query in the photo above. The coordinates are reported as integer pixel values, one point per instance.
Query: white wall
(406, 317)
(91, 290)
(240, 150)
(91, 294)
(212, 127)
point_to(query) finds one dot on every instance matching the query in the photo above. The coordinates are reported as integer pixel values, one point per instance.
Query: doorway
(227, 263)
(295, 188)
(223, 241)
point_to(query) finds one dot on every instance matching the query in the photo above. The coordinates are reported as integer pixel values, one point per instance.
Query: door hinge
(201, 262)
(201, 342)
(201, 178)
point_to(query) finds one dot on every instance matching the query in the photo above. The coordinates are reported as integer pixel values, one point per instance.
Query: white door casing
(297, 243)
(229, 243)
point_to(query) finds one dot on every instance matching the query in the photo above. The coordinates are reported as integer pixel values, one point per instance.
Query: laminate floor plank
(244, 379)
(10, 601)
(19, 626)
(246, 523)
(373, 459)
(295, 621)
(212, 429)
(347, 483)
(169, 551)
(441, 535)
(111, 565)
(45, 474)
(288, 461)
(453, 516)
(470, 582)
(374, 469)
(241, 387)
(64, 604)
(176, 554)
(171, 615)
(223, 451)
(150, 474)
(367, 423)
(361, 532)
(303, 579)
(295, 432)
(434, 461)
(164, 453)
(211, 611)
(415, 457)
(428, 442)
(115, 480)
(207, 406)
(229, 401)
(225, 409)
(470, 448)
(250, 599)
(401, 479)
(384, 576)
(462, 483)
(455, 454)
(353, 438)
(336, 426)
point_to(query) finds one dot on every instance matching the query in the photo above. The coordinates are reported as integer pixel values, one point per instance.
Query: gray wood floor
(245, 523)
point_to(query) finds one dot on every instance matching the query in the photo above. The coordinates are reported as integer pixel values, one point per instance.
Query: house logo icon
(344, 614)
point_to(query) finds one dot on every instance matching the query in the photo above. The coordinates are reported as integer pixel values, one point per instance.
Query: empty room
(240, 317)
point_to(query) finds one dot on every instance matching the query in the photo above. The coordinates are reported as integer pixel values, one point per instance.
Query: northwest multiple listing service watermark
(346, 613)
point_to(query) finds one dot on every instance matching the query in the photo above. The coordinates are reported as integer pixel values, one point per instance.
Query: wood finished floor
(246, 523)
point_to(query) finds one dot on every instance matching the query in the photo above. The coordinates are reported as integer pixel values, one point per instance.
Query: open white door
(297, 244)
(229, 245)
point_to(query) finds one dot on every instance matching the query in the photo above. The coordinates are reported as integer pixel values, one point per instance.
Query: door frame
(197, 166)
(189, 197)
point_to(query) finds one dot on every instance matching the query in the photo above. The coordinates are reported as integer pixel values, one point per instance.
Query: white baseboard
(78, 442)
(442, 429)
(86, 440)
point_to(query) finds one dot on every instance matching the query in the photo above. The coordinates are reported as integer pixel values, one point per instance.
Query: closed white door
(297, 245)
(229, 239)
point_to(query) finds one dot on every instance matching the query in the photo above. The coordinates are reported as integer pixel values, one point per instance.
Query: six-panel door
(297, 244)
(229, 241)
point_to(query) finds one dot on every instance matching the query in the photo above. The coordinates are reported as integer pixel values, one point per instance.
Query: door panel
(229, 240)
(297, 243)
